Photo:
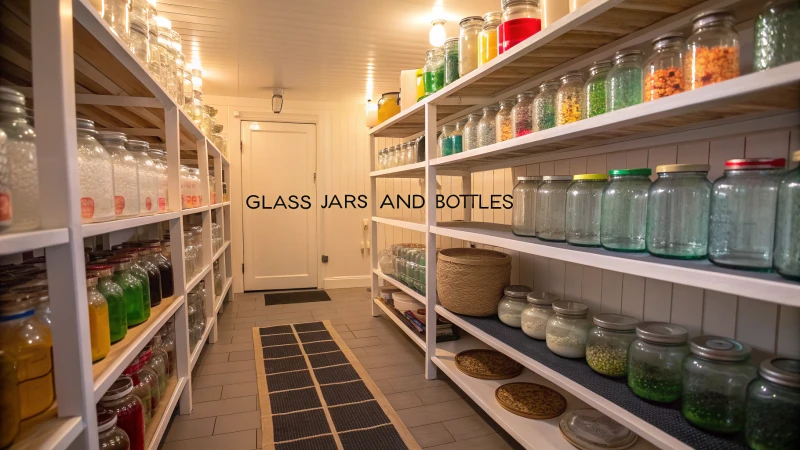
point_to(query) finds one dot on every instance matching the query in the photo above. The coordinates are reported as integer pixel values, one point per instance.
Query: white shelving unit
(69, 64)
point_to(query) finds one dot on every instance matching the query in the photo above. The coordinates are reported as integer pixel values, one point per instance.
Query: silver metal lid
(623, 54)
(667, 40)
(719, 348)
(86, 125)
(557, 178)
(712, 17)
(568, 308)
(526, 178)
(477, 19)
(542, 298)
(516, 291)
(607, 64)
(138, 146)
(662, 333)
(572, 74)
(112, 136)
(550, 84)
(783, 371)
(491, 108)
(10, 95)
(617, 322)
(449, 40)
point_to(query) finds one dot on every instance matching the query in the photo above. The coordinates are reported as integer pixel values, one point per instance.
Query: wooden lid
(487, 364)
(530, 400)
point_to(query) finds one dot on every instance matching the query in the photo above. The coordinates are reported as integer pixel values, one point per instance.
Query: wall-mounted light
(438, 34)
(372, 114)
(277, 100)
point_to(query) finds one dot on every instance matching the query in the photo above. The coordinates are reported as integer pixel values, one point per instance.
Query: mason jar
(166, 54)
(712, 51)
(99, 327)
(777, 34)
(787, 230)
(551, 204)
(584, 199)
(411, 152)
(159, 158)
(487, 50)
(569, 99)
(608, 342)
(109, 435)
(129, 408)
(140, 41)
(434, 71)
(471, 132)
(504, 123)
(126, 182)
(457, 137)
(522, 114)
(663, 70)
(624, 82)
(523, 214)
(568, 329)
(623, 223)
(388, 106)
(544, 106)
(655, 361)
(148, 177)
(487, 130)
(154, 64)
(743, 208)
(22, 161)
(677, 212)
(96, 175)
(117, 15)
(773, 406)
(521, 20)
(450, 60)
(715, 379)
(594, 95)
(511, 305)
(445, 139)
(468, 44)
(535, 316)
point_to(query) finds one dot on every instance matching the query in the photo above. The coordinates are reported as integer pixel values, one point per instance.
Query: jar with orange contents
(663, 70)
(712, 51)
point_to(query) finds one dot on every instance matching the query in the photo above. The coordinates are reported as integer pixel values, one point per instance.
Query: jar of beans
(569, 100)
(522, 114)
(487, 131)
(544, 106)
(624, 83)
(503, 120)
(594, 95)
(608, 342)
(663, 70)
(655, 361)
(712, 51)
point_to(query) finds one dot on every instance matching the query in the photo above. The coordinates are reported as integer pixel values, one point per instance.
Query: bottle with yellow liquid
(99, 326)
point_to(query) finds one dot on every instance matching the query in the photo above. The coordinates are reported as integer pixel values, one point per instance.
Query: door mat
(315, 395)
(284, 298)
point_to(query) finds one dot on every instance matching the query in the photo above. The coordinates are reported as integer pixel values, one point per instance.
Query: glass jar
(743, 208)
(777, 40)
(9, 405)
(551, 204)
(584, 199)
(715, 379)
(159, 158)
(154, 64)
(96, 171)
(521, 20)
(515, 299)
(138, 271)
(126, 174)
(594, 96)
(157, 361)
(487, 127)
(99, 331)
(522, 114)
(655, 361)
(624, 80)
(115, 300)
(153, 274)
(138, 13)
(787, 245)
(168, 344)
(388, 106)
(148, 177)
(140, 42)
(21, 150)
(663, 70)
(544, 106)
(677, 212)
(434, 71)
(218, 281)
(109, 435)
(523, 214)
(180, 65)
(470, 133)
(5, 185)
(569, 99)
(116, 14)
(552, 10)
(457, 137)
(773, 406)
(197, 190)
(186, 199)
(450, 60)
(137, 309)
(121, 400)
(504, 122)
(623, 222)
(712, 51)
(380, 160)
(145, 386)
(164, 267)
(167, 54)
(535, 316)
(608, 342)
(487, 49)
(447, 140)
(567, 330)
(469, 44)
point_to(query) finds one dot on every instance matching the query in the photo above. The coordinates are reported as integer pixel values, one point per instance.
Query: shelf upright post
(373, 227)
(208, 253)
(430, 241)
(466, 189)
(57, 150)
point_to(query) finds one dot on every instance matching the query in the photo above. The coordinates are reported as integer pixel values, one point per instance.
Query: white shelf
(163, 413)
(95, 229)
(32, 240)
(221, 297)
(214, 151)
(414, 294)
(210, 322)
(221, 251)
(400, 324)
(194, 281)
(54, 434)
(416, 170)
(401, 223)
(190, 211)
(216, 206)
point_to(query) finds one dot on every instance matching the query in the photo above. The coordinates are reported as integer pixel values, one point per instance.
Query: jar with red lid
(743, 209)
(145, 386)
(111, 436)
(521, 20)
(120, 400)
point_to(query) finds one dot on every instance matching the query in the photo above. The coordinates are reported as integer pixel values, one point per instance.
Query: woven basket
(470, 281)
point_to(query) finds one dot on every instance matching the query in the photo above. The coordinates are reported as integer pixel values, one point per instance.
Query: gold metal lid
(673, 168)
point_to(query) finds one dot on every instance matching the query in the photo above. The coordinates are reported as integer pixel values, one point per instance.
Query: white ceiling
(315, 49)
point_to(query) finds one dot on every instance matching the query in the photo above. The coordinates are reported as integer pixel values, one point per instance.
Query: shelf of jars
(30, 240)
(416, 170)
(195, 280)
(199, 209)
(221, 298)
(392, 315)
(54, 433)
(96, 229)
(211, 322)
(220, 251)
(398, 284)
(163, 413)
(414, 226)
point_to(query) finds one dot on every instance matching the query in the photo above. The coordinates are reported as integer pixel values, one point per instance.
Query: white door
(279, 197)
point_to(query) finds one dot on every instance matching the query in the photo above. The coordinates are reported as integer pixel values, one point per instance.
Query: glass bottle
(388, 106)
(551, 204)
(159, 158)
(663, 70)
(148, 177)
(164, 266)
(777, 34)
(446, 140)
(457, 137)
(434, 71)
(544, 106)
(623, 222)
(712, 51)
(535, 316)
(715, 379)
(743, 208)
(521, 20)
(523, 215)
(624, 80)
(96, 176)
(522, 114)
(487, 49)
(594, 96)
(138, 310)
(505, 123)
(514, 300)
(677, 212)
(655, 361)
(116, 14)
(115, 299)
(140, 41)
(147, 272)
(568, 329)
(487, 127)
(569, 99)
(584, 199)
(471, 132)
(468, 44)
(608, 343)
(21, 150)
(158, 367)
(143, 387)
(9, 406)
(451, 60)
(787, 229)
(773, 406)
(121, 400)
(126, 173)
(99, 331)
(5, 185)
(109, 435)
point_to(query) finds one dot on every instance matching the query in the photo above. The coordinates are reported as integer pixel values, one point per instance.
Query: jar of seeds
(544, 106)
(569, 100)
(537, 313)
(522, 114)
(594, 95)
(655, 361)
(487, 131)
(567, 330)
(471, 132)
(510, 307)
(608, 342)
(504, 121)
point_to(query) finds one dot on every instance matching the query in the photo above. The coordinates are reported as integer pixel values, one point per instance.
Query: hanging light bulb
(438, 34)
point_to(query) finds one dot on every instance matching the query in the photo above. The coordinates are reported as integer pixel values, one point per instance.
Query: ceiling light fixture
(438, 34)
(277, 100)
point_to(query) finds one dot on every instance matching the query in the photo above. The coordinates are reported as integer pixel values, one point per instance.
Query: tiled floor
(226, 416)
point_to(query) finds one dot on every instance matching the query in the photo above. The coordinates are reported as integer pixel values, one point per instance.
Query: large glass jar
(168, 344)
(155, 50)
(773, 406)
(522, 114)
(148, 177)
(138, 271)
(487, 127)
(608, 342)
(584, 199)
(777, 34)
(159, 158)
(451, 60)
(448, 131)
(514, 300)
(96, 171)
(149, 265)
(569, 99)
(218, 281)
(115, 299)
(139, 12)
(457, 137)
(523, 215)
(9, 406)
(468, 44)
(140, 41)
(663, 70)
(132, 291)
(121, 400)
(434, 70)
(5, 184)
(594, 96)
(197, 191)
(145, 386)
(568, 329)
(544, 106)
(471, 132)
(715, 379)
(551, 204)
(712, 51)
(655, 361)
(388, 106)
(21, 151)
(487, 50)
(743, 208)
(109, 435)
(552, 10)
(504, 123)
(521, 20)
(623, 222)
(126, 173)
(787, 229)
(167, 55)
(535, 316)
(624, 81)
(116, 14)
(155, 257)
(157, 361)
(180, 66)
(99, 332)
(677, 212)
(188, 91)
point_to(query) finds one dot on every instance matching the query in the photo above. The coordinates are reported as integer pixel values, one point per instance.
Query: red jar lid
(755, 164)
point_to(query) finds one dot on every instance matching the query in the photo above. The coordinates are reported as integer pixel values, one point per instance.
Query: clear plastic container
(584, 199)
(608, 342)
(450, 60)
(96, 171)
(663, 70)
(515, 299)
(99, 328)
(623, 223)
(787, 230)
(148, 177)
(488, 37)
(126, 173)
(434, 71)
(569, 99)
(594, 96)
(159, 158)
(521, 20)
(544, 106)
(487, 127)
(504, 125)
(568, 329)
(551, 204)
(535, 316)
(523, 215)
(469, 44)
(522, 114)
(471, 132)
(655, 361)
(21, 153)
(712, 51)
(624, 82)
(110, 436)
(777, 34)
(773, 406)
(117, 15)
(121, 400)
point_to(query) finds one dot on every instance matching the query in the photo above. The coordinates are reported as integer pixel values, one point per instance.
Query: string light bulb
(438, 34)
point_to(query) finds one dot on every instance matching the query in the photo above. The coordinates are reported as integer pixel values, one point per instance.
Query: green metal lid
(631, 172)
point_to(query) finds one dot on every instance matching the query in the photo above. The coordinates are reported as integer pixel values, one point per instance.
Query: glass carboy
(568, 329)
(773, 406)
(126, 173)
(594, 95)
(120, 400)
(469, 43)
(623, 223)
(434, 70)
(523, 215)
(471, 132)
(551, 204)
(777, 34)
(111, 437)
(569, 99)
(504, 123)
(624, 82)
(487, 127)
(608, 342)
(712, 51)
(21, 153)
(535, 316)
(511, 305)
(663, 70)
(655, 361)
(96, 176)
(451, 60)
(584, 199)
(488, 37)
(522, 114)
(787, 229)
(544, 106)
(148, 177)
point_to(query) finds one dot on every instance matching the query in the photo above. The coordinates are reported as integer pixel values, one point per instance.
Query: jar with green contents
(608, 343)
(138, 310)
(773, 406)
(777, 34)
(535, 316)
(511, 305)
(655, 361)
(584, 198)
(624, 83)
(471, 132)
(594, 95)
(450, 60)
(115, 297)
(623, 223)
(434, 71)
(141, 273)
(715, 379)
(544, 106)
(551, 204)
(787, 229)
(487, 133)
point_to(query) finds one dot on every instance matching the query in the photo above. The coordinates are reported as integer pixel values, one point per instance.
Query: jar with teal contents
(677, 212)
(715, 379)
(777, 34)
(457, 137)
(787, 229)
(514, 301)
(584, 200)
(434, 71)
(594, 95)
(448, 131)
(655, 361)
(608, 343)
(544, 106)
(773, 406)
(624, 85)
(450, 60)
(551, 204)
(623, 223)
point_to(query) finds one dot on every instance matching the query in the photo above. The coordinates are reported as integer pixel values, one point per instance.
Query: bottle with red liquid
(521, 20)
(119, 399)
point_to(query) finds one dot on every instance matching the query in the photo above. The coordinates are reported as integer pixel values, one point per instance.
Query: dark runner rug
(284, 298)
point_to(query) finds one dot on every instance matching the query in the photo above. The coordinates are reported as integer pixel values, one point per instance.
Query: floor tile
(203, 381)
(412, 383)
(403, 400)
(220, 407)
(206, 394)
(232, 423)
(490, 441)
(190, 429)
(243, 440)
(430, 435)
(239, 390)
(228, 367)
(241, 356)
(438, 394)
(213, 358)
(424, 415)
(468, 427)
